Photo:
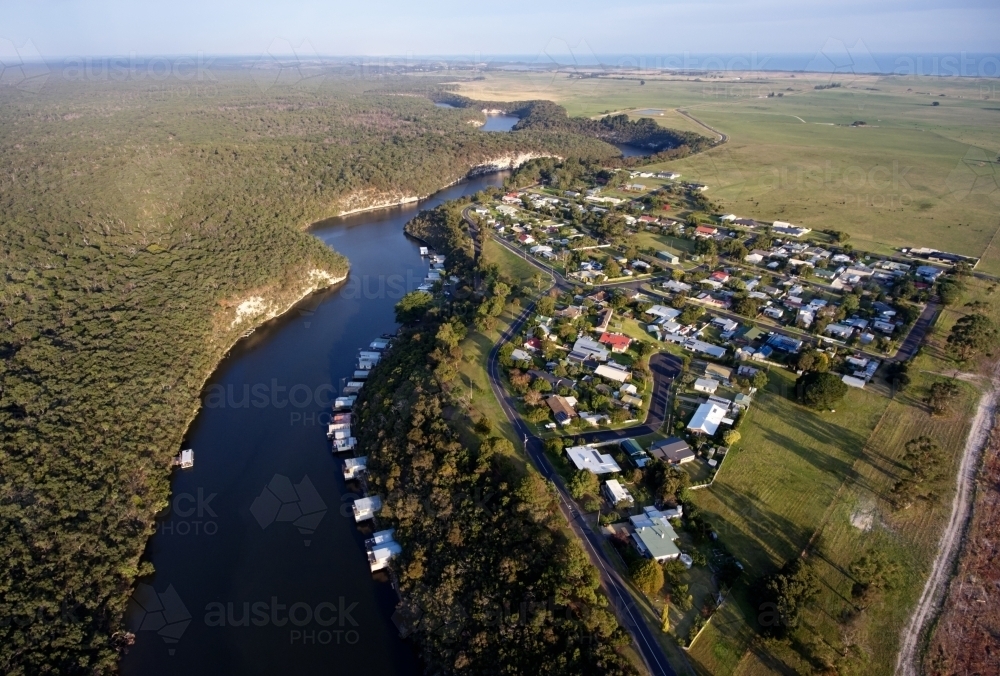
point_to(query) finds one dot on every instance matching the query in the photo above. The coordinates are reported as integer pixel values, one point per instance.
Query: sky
(58, 29)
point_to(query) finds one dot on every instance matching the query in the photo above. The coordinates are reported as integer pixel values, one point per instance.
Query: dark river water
(283, 588)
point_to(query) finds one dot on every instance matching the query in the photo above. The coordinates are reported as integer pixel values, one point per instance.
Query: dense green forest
(136, 216)
(491, 583)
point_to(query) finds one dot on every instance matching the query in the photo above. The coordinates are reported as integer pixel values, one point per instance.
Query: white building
(616, 493)
(706, 419)
(587, 457)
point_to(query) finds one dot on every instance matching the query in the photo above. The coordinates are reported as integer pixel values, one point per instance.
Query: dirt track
(908, 662)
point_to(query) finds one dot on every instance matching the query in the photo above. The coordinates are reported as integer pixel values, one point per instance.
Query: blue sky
(60, 29)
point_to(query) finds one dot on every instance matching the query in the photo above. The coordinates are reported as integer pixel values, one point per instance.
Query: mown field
(916, 174)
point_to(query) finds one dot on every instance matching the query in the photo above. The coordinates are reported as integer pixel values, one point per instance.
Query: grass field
(915, 175)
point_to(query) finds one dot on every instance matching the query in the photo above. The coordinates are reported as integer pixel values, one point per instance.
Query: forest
(490, 581)
(136, 216)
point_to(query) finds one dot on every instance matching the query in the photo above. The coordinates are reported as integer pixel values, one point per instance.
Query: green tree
(730, 437)
(582, 483)
(647, 575)
(820, 390)
(941, 396)
(413, 306)
(972, 334)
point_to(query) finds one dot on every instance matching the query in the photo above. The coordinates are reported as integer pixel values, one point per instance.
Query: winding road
(664, 368)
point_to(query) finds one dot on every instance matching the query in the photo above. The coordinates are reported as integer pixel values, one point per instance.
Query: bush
(582, 483)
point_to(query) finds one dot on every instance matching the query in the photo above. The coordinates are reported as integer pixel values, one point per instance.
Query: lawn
(914, 175)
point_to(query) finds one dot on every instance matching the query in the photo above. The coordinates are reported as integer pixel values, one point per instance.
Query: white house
(706, 385)
(616, 493)
(587, 457)
(706, 419)
(614, 371)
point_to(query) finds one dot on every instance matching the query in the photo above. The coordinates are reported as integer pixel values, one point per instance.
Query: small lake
(260, 568)
(632, 151)
(500, 122)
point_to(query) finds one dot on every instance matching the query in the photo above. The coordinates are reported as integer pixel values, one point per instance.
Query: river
(241, 591)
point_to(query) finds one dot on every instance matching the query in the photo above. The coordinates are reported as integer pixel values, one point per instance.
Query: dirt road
(908, 662)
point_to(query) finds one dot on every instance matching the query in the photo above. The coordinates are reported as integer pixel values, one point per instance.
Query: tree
(665, 619)
(582, 483)
(730, 437)
(923, 468)
(760, 379)
(647, 575)
(783, 596)
(413, 306)
(612, 270)
(820, 390)
(873, 571)
(898, 374)
(941, 396)
(746, 306)
(972, 334)
(680, 596)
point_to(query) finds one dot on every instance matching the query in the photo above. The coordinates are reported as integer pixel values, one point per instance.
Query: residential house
(525, 238)
(562, 408)
(585, 348)
(676, 287)
(706, 385)
(520, 355)
(705, 231)
(618, 342)
(616, 493)
(673, 259)
(635, 452)
(365, 508)
(614, 371)
(673, 450)
(587, 457)
(603, 320)
(706, 419)
(663, 312)
(657, 542)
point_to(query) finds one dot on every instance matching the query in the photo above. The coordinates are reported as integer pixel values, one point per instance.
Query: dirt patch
(863, 520)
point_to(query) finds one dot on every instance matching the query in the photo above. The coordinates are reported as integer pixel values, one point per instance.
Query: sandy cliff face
(267, 304)
(506, 162)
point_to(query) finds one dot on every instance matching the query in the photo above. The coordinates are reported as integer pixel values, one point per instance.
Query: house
(706, 419)
(185, 459)
(784, 343)
(616, 493)
(676, 287)
(631, 400)
(614, 371)
(851, 381)
(635, 452)
(754, 258)
(511, 198)
(788, 230)
(540, 249)
(715, 351)
(719, 372)
(884, 327)
(929, 272)
(562, 409)
(726, 325)
(571, 312)
(720, 276)
(585, 348)
(555, 381)
(525, 238)
(663, 312)
(657, 542)
(673, 450)
(587, 457)
(520, 355)
(365, 508)
(705, 231)
(742, 400)
(673, 259)
(706, 385)
(839, 331)
(355, 467)
(774, 312)
(618, 342)
(382, 548)
(603, 320)
(507, 210)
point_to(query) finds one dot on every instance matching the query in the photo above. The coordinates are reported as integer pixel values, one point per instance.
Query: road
(908, 661)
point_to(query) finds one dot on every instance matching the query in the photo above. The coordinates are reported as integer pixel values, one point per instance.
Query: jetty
(184, 459)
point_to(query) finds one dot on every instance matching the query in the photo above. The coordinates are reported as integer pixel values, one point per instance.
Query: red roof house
(616, 341)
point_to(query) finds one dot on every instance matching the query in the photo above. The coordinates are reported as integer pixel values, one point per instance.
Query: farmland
(915, 174)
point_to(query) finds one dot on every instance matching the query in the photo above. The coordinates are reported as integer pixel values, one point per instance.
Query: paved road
(664, 368)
